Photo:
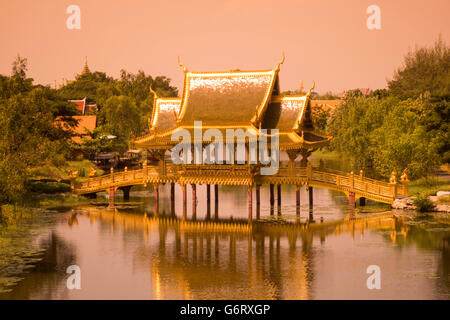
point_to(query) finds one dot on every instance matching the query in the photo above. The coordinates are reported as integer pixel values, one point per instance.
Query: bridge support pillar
(362, 201)
(183, 187)
(111, 198)
(297, 200)
(258, 201)
(156, 191)
(279, 198)
(126, 192)
(311, 203)
(194, 201)
(250, 204)
(351, 199)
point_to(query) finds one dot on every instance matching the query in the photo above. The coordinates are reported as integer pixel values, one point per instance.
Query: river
(131, 253)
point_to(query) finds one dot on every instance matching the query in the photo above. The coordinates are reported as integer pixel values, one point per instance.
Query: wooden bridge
(354, 186)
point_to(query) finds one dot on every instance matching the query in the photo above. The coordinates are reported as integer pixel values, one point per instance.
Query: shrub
(423, 203)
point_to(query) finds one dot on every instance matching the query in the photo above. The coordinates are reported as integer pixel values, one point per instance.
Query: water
(130, 253)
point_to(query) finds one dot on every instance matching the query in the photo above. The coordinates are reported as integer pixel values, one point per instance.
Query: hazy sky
(325, 41)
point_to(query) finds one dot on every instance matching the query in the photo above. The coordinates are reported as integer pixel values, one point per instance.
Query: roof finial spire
(85, 68)
(182, 65)
(312, 88)
(277, 68)
(155, 95)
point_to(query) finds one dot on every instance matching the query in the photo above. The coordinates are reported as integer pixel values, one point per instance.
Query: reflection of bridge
(354, 186)
(215, 259)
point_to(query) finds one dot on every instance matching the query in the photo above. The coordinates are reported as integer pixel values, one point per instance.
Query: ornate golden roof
(245, 100)
(164, 114)
(234, 98)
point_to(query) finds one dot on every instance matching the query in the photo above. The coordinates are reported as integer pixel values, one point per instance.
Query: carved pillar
(208, 201)
(258, 201)
(279, 198)
(172, 198)
(194, 201)
(183, 188)
(292, 154)
(305, 154)
(250, 204)
(216, 201)
(297, 199)
(156, 191)
(272, 196)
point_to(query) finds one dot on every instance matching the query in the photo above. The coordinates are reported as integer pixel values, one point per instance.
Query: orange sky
(327, 41)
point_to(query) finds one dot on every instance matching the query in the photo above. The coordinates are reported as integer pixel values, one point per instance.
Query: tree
(437, 124)
(424, 70)
(121, 117)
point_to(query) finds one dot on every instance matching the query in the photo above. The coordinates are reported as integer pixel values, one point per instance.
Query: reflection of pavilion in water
(217, 259)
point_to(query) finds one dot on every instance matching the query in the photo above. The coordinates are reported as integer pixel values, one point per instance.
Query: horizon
(341, 52)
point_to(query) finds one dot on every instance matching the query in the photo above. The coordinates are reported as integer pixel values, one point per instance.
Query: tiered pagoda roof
(248, 100)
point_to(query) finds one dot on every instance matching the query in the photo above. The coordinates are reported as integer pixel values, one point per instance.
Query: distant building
(328, 105)
(83, 107)
(86, 124)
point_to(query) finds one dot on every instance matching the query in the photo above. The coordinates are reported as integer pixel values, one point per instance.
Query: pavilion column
(194, 201)
(272, 196)
(156, 191)
(258, 200)
(208, 201)
(183, 188)
(216, 201)
(279, 198)
(111, 197)
(297, 199)
(250, 204)
(172, 198)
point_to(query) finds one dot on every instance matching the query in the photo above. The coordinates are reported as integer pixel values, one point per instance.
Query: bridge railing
(335, 178)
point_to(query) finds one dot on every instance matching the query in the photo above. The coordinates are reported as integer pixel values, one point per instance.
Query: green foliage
(321, 116)
(122, 116)
(423, 203)
(424, 70)
(401, 128)
(437, 124)
(428, 185)
(28, 135)
(48, 187)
